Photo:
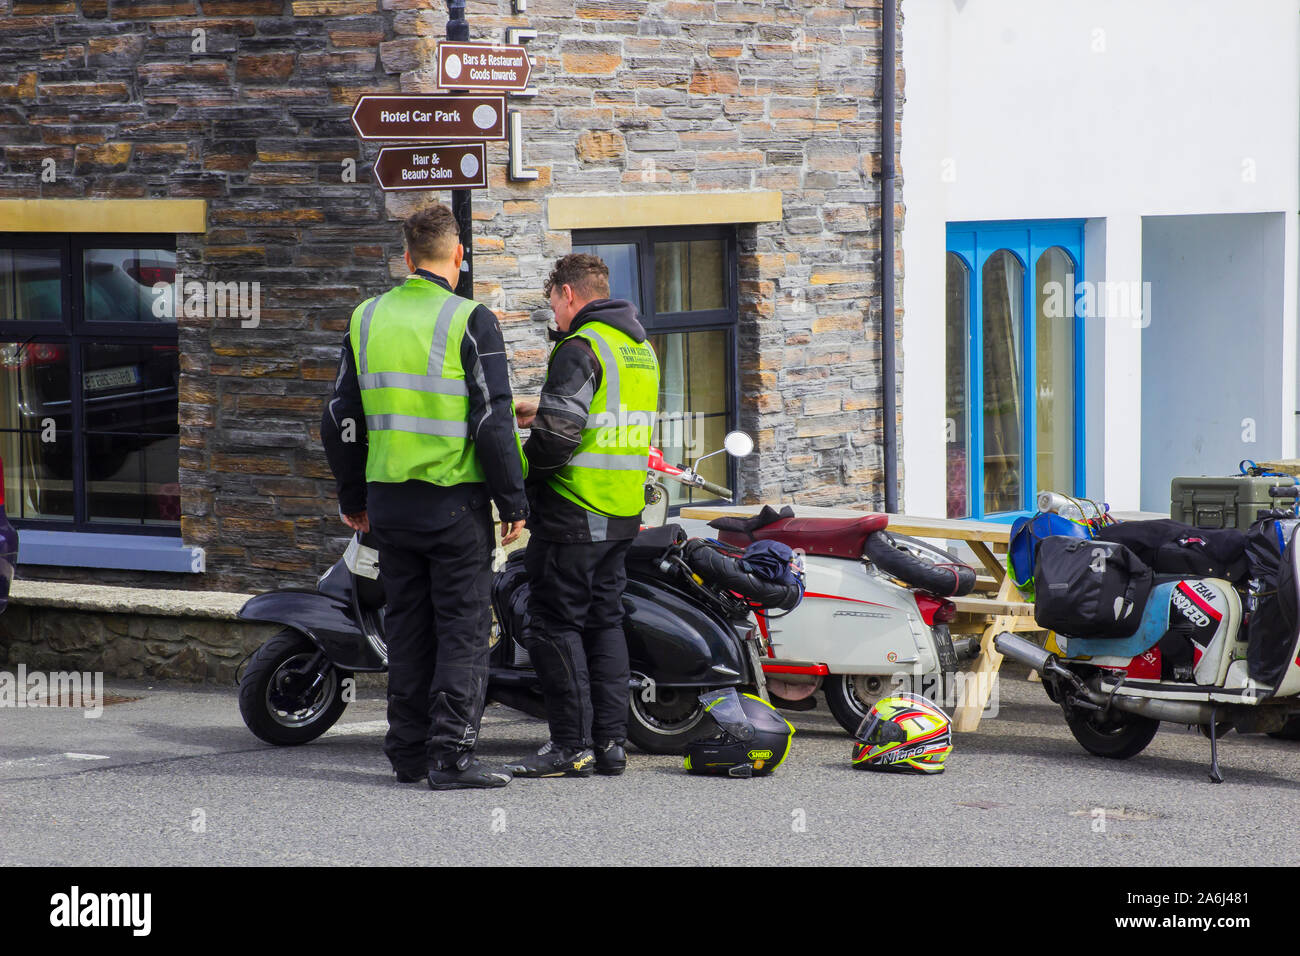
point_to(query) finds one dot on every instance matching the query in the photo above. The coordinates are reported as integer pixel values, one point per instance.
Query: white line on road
(358, 727)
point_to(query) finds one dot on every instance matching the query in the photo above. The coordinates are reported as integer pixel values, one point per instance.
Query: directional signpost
(464, 115)
(439, 166)
(430, 117)
(490, 67)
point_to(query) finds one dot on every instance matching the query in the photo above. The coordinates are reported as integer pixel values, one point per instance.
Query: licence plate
(111, 378)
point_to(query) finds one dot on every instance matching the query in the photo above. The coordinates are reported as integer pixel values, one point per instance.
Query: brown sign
(483, 66)
(434, 166)
(430, 117)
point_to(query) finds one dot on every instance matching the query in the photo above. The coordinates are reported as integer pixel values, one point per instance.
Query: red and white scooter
(874, 617)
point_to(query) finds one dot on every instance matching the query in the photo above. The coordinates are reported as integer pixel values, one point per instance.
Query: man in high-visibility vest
(587, 456)
(420, 434)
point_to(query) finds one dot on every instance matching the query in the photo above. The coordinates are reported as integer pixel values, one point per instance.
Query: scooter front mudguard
(328, 622)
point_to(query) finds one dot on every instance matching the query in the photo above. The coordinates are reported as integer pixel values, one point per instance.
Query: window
(683, 282)
(1014, 379)
(88, 383)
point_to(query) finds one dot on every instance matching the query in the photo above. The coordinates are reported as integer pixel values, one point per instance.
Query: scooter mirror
(738, 444)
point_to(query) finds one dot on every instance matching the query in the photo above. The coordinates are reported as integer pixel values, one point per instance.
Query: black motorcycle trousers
(438, 623)
(574, 635)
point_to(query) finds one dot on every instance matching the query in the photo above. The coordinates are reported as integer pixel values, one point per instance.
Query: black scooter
(688, 625)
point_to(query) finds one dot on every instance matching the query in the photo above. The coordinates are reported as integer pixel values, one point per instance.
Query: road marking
(43, 759)
(357, 727)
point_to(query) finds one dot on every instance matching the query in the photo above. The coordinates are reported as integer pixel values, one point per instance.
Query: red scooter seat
(834, 537)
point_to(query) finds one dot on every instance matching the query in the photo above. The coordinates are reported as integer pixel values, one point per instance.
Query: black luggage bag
(1089, 588)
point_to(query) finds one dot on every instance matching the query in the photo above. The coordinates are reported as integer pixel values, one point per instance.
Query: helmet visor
(724, 707)
(875, 731)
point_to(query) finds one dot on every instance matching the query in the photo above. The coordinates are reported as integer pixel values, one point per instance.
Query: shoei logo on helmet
(760, 755)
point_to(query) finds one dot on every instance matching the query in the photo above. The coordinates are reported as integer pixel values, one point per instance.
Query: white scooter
(859, 634)
(1114, 692)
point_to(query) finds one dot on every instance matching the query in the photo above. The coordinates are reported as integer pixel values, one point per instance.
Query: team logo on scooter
(891, 656)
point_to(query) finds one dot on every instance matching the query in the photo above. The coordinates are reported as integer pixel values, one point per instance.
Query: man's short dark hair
(431, 234)
(585, 274)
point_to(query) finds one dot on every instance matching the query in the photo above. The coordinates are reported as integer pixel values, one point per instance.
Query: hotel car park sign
(460, 123)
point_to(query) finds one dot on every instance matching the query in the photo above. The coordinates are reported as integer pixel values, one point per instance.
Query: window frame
(726, 319)
(73, 331)
(974, 243)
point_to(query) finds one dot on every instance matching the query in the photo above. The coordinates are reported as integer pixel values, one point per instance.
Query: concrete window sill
(126, 552)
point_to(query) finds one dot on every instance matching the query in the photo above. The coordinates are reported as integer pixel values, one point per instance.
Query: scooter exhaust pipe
(1026, 652)
(1045, 662)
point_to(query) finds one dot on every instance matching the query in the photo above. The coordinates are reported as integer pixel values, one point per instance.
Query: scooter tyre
(255, 708)
(1130, 735)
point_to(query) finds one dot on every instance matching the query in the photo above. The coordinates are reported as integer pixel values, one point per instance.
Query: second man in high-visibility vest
(587, 459)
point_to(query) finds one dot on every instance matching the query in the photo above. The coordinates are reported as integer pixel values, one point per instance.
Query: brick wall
(634, 96)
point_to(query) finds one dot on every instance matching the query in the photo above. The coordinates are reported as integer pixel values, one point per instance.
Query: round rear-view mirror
(738, 444)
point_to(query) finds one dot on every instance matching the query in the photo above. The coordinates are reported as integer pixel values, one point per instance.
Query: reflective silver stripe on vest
(597, 526)
(613, 397)
(366, 316)
(591, 459)
(438, 350)
(415, 383)
(420, 426)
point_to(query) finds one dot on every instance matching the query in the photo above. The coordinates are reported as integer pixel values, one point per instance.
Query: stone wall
(127, 645)
(680, 95)
(662, 96)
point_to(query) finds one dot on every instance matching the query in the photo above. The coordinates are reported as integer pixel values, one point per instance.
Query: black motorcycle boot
(556, 761)
(466, 774)
(410, 776)
(611, 757)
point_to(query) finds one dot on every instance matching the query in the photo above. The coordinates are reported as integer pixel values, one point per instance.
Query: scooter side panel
(327, 621)
(677, 642)
(854, 622)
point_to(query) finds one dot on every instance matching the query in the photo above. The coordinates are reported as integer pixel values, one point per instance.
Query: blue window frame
(1011, 321)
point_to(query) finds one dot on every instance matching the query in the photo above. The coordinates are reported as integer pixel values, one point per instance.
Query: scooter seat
(833, 537)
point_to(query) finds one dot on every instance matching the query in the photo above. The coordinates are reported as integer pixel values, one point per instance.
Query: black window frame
(75, 332)
(726, 319)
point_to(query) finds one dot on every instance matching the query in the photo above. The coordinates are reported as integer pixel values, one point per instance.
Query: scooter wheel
(1119, 736)
(1290, 730)
(668, 723)
(850, 697)
(273, 694)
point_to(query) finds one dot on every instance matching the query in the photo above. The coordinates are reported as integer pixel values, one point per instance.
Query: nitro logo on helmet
(906, 753)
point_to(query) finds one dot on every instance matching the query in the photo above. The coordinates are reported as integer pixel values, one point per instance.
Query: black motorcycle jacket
(572, 379)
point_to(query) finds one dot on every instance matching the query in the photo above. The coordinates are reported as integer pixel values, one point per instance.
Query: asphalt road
(175, 778)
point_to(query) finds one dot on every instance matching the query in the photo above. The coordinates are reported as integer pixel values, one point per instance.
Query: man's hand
(357, 522)
(510, 531)
(525, 411)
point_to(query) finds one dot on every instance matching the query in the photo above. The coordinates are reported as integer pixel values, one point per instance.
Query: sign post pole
(458, 31)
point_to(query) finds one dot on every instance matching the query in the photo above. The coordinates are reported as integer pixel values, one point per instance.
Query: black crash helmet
(752, 739)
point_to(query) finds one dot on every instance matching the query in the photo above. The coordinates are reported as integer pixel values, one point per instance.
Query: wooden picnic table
(996, 605)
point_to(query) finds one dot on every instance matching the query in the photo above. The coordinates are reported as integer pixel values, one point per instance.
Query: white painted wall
(1108, 110)
(1210, 399)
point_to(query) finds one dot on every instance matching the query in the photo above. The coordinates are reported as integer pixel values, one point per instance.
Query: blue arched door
(1013, 364)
